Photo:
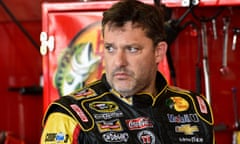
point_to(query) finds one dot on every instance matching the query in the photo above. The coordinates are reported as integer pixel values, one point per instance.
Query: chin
(124, 90)
(124, 86)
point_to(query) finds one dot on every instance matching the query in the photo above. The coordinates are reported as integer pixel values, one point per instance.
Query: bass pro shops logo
(177, 103)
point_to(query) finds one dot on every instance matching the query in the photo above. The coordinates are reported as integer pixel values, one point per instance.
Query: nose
(120, 59)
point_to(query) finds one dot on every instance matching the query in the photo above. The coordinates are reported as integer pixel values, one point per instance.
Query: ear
(160, 51)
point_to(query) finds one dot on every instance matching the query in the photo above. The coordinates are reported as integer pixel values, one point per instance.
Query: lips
(121, 75)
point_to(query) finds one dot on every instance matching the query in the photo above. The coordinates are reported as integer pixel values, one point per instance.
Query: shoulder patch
(177, 103)
(202, 105)
(203, 108)
(83, 93)
(79, 112)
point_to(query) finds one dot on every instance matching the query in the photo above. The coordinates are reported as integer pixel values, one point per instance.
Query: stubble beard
(129, 87)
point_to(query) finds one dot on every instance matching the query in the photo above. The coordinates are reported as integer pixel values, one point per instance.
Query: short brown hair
(149, 17)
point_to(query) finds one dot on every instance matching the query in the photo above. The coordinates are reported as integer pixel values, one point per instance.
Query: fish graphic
(75, 66)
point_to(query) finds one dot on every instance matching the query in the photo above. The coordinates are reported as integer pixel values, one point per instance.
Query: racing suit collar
(146, 98)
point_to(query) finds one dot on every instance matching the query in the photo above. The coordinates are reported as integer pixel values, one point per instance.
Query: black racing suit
(174, 116)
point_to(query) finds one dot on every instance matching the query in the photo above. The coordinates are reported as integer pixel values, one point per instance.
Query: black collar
(140, 98)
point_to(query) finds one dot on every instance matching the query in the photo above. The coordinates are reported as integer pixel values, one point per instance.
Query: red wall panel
(20, 67)
(185, 51)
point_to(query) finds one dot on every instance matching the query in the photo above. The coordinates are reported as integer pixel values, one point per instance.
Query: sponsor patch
(177, 103)
(139, 123)
(106, 116)
(111, 125)
(115, 137)
(79, 112)
(146, 137)
(187, 129)
(104, 106)
(85, 92)
(193, 139)
(202, 105)
(183, 118)
(56, 137)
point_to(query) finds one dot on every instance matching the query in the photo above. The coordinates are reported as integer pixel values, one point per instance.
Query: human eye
(132, 49)
(109, 48)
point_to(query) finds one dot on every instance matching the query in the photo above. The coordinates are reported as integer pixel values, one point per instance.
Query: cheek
(148, 65)
(143, 64)
(107, 63)
(147, 59)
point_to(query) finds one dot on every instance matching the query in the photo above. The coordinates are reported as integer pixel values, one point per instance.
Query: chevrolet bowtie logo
(187, 129)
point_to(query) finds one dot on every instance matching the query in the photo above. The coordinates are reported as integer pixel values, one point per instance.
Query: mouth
(121, 75)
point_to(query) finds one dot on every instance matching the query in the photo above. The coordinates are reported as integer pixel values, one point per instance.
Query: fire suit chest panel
(172, 117)
(118, 122)
(172, 120)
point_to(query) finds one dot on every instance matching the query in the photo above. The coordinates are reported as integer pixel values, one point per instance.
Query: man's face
(130, 59)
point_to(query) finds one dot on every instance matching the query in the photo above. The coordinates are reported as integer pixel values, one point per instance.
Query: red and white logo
(80, 113)
(139, 123)
(146, 137)
(202, 105)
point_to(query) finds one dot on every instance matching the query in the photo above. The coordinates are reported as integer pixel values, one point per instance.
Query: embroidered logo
(104, 106)
(183, 118)
(177, 103)
(110, 115)
(187, 129)
(139, 123)
(115, 137)
(85, 93)
(56, 137)
(79, 112)
(146, 137)
(202, 105)
(111, 125)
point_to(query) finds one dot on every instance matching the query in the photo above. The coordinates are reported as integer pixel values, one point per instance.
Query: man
(132, 103)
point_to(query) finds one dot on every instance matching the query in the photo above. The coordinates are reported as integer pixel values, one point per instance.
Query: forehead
(110, 26)
(128, 34)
